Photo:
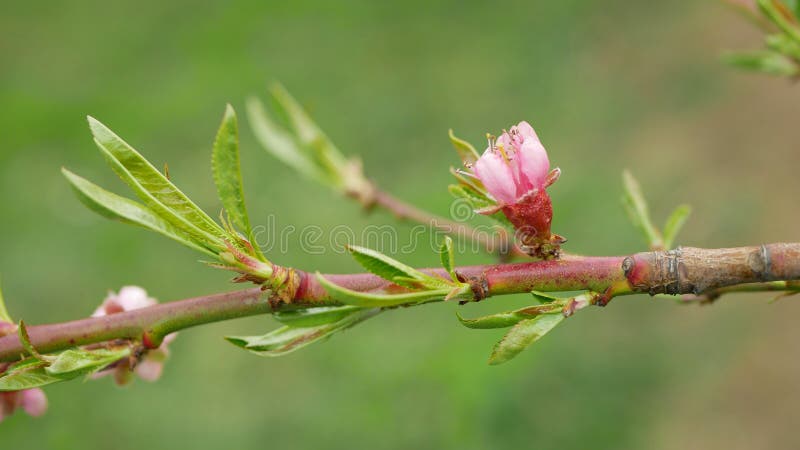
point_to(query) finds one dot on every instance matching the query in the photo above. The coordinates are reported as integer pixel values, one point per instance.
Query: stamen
(502, 150)
(492, 141)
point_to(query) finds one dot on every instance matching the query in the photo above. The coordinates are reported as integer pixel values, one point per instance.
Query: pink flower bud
(32, 401)
(513, 165)
(128, 299)
(150, 366)
(515, 171)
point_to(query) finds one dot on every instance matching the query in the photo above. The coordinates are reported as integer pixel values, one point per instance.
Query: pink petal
(34, 402)
(8, 403)
(496, 176)
(167, 340)
(149, 369)
(533, 162)
(505, 141)
(134, 297)
(526, 131)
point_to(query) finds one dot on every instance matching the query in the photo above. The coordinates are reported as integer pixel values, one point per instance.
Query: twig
(681, 271)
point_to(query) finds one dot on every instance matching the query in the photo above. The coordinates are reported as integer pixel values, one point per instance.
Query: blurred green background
(607, 85)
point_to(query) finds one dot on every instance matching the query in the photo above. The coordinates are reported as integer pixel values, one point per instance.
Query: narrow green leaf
(448, 257)
(783, 44)
(27, 376)
(465, 150)
(475, 198)
(311, 317)
(675, 223)
(766, 61)
(499, 320)
(522, 335)
(636, 206)
(544, 297)
(79, 361)
(4, 316)
(385, 267)
(371, 300)
(471, 183)
(153, 187)
(212, 241)
(226, 165)
(329, 157)
(781, 16)
(509, 318)
(25, 340)
(115, 207)
(288, 339)
(478, 202)
(278, 142)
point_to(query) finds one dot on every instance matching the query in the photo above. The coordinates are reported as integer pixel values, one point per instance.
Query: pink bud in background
(32, 401)
(128, 299)
(151, 365)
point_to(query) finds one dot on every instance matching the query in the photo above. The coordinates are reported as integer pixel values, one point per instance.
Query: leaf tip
(229, 111)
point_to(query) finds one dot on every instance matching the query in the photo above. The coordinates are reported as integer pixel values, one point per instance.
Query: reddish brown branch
(681, 271)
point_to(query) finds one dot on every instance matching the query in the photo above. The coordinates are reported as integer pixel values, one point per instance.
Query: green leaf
(499, 320)
(27, 375)
(471, 183)
(4, 316)
(391, 269)
(477, 201)
(288, 339)
(307, 131)
(674, 224)
(465, 150)
(544, 297)
(78, 361)
(226, 166)
(781, 16)
(769, 62)
(636, 206)
(475, 198)
(522, 335)
(448, 258)
(280, 143)
(154, 188)
(25, 340)
(509, 318)
(783, 44)
(311, 317)
(115, 207)
(370, 300)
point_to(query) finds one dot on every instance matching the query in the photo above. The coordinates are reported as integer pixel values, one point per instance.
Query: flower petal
(496, 176)
(134, 297)
(533, 162)
(8, 403)
(149, 369)
(505, 141)
(526, 131)
(34, 402)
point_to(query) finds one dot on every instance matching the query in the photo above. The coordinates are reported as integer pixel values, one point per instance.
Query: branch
(682, 271)
(500, 244)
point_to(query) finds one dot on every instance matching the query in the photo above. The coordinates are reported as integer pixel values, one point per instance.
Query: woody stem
(682, 271)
